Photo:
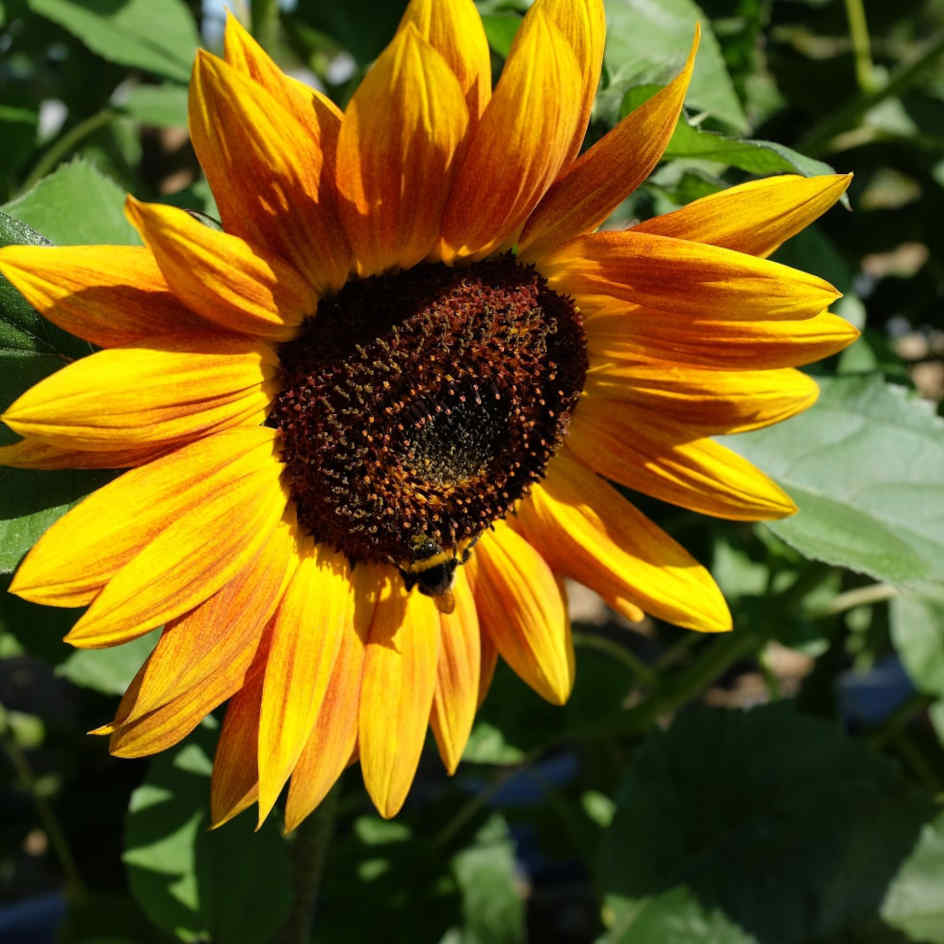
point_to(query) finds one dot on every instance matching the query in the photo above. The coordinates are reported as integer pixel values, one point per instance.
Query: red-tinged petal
(755, 217)
(396, 154)
(458, 675)
(397, 692)
(269, 173)
(109, 295)
(221, 277)
(518, 146)
(521, 609)
(36, 454)
(454, 29)
(649, 453)
(489, 661)
(164, 394)
(678, 278)
(306, 636)
(601, 178)
(85, 548)
(585, 529)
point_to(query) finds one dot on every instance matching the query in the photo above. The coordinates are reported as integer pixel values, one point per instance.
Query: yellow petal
(397, 692)
(711, 342)
(396, 154)
(683, 278)
(587, 530)
(755, 217)
(609, 171)
(703, 400)
(518, 147)
(221, 277)
(109, 295)
(85, 548)
(36, 454)
(268, 172)
(191, 558)
(458, 675)
(521, 609)
(306, 636)
(163, 394)
(334, 735)
(454, 29)
(489, 662)
(647, 452)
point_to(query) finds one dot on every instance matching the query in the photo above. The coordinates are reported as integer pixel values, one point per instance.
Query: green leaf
(18, 133)
(487, 745)
(500, 28)
(865, 466)
(155, 35)
(917, 626)
(647, 42)
(108, 670)
(758, 825)
(231, 885)
(161, 105)
(363, 27)
(76, 205)
(492, 907)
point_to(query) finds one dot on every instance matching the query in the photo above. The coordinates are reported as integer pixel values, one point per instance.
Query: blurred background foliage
(653, 808)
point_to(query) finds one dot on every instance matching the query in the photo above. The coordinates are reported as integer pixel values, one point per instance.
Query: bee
(433, 569)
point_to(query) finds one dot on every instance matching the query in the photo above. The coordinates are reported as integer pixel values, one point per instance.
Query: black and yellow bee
(433, 569)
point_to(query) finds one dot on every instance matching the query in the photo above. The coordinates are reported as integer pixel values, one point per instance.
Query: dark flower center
(419, 406)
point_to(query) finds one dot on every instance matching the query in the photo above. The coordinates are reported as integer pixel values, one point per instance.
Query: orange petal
(647, 452)
(584, 528)
(454, 29)
(192, 557)
(333, 738)
(306, 637)
(521, 608)
(703, 400)
(489, 661)
(36, 454)
(518, 147)
(166, 393)
(641, 333)
(85, 548)
(396, 154)
(682, 277)
(397, 691)
(608, 172)
(109, 295)
(221, 277)
(268, 172)
(458, 675)
(755, 217)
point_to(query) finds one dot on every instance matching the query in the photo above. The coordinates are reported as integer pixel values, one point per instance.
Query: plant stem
(265, 22)
(859, 31)
(66, 143)
(860, 596)
(310, 851)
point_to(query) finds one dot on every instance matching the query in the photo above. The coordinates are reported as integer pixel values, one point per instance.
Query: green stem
(859, 31)
(66, 143)
(860, 596)
(265, 22)
(646, 674)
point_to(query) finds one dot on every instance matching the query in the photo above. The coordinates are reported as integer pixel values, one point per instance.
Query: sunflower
(369, 424)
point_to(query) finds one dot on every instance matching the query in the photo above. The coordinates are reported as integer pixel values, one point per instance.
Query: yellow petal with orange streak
(268, 172)
(163, 394)
(191, 558)
(628, 333)
(109, 295)
(454, 29)
(703, 400)
(396, 154)
(756, 217)
(396, 692)
(585, 529)
(649, 453)
(458, 675)
(679, 277)
(522, 610)
(518, 146)
(221, 277)
(306, 637)
(85, 548)
(36, 454)
(332, 743)
(489, 661)
(609, 171)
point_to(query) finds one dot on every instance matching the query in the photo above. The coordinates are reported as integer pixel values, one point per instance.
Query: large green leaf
(865, 466)
(108, 670)
(231, 885)
(163, 105)
(155, 35)
(763, 825)
(917, 624)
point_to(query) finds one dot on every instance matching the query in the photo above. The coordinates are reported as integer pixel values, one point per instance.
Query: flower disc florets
(423, 403)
